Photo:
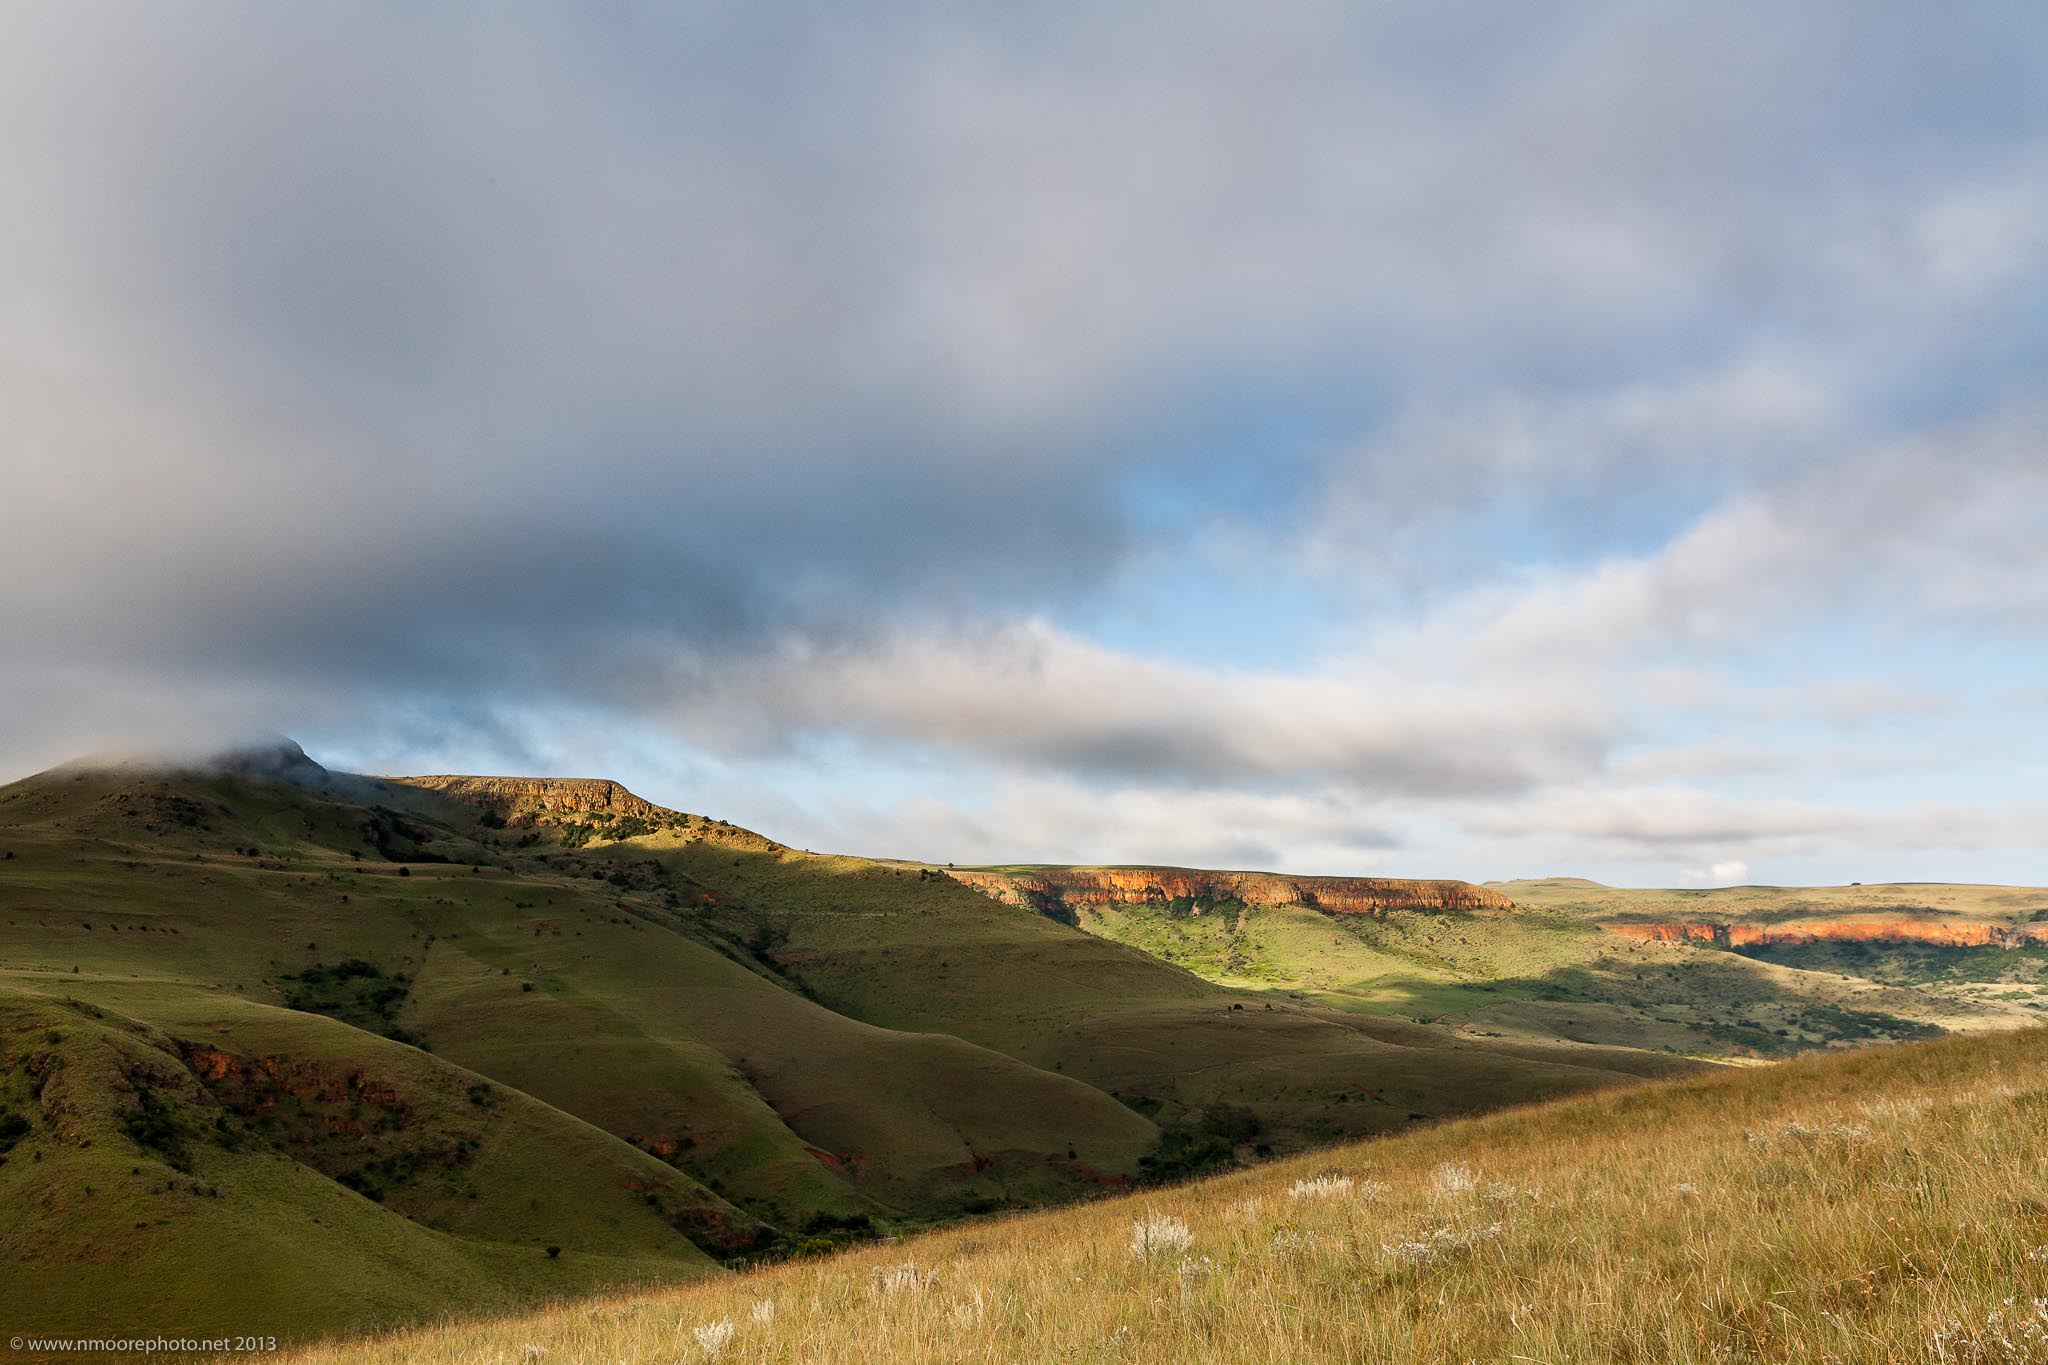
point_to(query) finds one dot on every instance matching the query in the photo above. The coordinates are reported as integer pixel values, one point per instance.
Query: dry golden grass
(1890, 1205)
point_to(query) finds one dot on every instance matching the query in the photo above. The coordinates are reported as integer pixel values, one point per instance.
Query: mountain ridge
(1049, 888)
(371, 1015)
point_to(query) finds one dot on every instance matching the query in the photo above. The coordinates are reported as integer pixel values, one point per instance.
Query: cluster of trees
(1209, 1142)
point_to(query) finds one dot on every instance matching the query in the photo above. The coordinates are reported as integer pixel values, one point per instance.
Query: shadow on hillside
(1702, 1006)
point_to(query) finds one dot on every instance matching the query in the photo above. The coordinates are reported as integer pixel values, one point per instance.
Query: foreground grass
(1890, 1205)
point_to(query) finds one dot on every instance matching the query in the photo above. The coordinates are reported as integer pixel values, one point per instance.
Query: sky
(1468, 440)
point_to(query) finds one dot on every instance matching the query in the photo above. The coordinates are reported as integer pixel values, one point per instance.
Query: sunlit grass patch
(1754, 1217)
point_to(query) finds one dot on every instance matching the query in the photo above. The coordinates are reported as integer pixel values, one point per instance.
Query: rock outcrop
(552, 795)
(257, 1085)
(597, 802)
(1947, 933)
(1083, 887)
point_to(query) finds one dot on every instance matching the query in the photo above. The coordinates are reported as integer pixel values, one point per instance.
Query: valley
(448, 1044)
(338, 1053)
(1573, 963)
(1877, 1206)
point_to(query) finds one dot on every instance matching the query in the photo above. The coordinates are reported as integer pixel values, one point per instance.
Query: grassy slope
(1548, 973)
(909, 948)
(136, 1184)
(604, 1030)
(1764, 903)
(1992, 986)
(684, 1032)
(1889, 1205)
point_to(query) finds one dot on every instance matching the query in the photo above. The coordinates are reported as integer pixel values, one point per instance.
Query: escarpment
(598, 801)
(553, 795)
(1945, 933)
(1085, 887)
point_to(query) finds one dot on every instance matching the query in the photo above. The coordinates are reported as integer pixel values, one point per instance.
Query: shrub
(1235, 1122)
(1185, 1149)
(354, 991)
(155, 1126)
(362, 1184)
(1181, 1152)
(1454, 1179)
(713, 1337)
(1159, 1235)
(907, 1278)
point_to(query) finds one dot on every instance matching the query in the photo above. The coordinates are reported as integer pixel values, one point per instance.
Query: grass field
(1577, 896)
(361, 1181)
(1889, 1205)
(1853, 932)
(439, 1048)
(1546, 971)
(328, 1054)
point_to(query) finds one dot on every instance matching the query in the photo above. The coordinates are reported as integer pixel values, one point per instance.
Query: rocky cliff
(1948, 933)
(1082, 887)
(552, 795)
(550, 799)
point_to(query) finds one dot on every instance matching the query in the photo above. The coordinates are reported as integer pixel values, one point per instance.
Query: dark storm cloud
(752, 368)
(374, 345)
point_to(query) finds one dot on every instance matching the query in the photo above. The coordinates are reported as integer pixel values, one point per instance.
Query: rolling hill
(1987, 945)
(1883, 1207)
(1569, 961)
(353, 1051)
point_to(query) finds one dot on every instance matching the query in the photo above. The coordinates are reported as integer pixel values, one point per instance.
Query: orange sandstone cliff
(557, 797)
(1949, 933)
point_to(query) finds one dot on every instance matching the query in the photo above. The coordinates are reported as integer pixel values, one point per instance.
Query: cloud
(1033, 695)
(480, 377)
(1944, 529)
(1731, 873)
(1502, 688)
(1659, 823)
(1022, 818)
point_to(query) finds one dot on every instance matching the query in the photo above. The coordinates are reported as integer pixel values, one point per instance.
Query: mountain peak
(277, 759)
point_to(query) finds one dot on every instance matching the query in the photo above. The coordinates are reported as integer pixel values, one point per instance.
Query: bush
(354, 991)
(362, 1184)
(1232, 1121)
(1187, 1149)
(1182, 1152)
(154, 1126)
(845, 1226)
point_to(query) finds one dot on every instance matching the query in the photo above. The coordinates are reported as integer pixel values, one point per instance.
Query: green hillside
(445, 1044)
(1545, 970)
(1888, 1206)
(1982, 947)
(238, 1164)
